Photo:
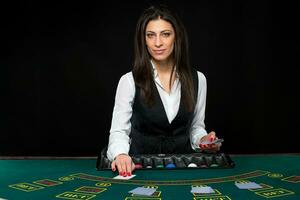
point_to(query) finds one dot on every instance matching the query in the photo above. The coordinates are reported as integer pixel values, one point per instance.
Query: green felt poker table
(78, 178)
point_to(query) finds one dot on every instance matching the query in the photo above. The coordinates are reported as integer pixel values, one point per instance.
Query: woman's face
(160, 37)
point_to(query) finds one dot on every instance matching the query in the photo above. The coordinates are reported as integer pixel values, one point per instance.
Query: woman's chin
(160, 58)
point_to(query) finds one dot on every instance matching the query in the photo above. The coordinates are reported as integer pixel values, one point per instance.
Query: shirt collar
(155, 74)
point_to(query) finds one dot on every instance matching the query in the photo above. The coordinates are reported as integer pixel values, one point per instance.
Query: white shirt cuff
(196, 135)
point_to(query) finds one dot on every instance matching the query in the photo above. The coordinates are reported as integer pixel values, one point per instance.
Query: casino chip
(158, 163)
(147, 163)
(192, 165)
(170, 166)
(214, 165)
(138, 166)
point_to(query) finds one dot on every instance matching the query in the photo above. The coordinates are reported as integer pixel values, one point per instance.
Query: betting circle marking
(173, 182)
(275, 175)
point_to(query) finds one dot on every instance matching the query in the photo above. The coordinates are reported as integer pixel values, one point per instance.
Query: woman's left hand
(209, 147)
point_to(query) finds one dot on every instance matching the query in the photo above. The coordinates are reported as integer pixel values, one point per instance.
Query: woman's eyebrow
(166, 30)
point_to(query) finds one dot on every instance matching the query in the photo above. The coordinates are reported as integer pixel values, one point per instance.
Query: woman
(160, 105)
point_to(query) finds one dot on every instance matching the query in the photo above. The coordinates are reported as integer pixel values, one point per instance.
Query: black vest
(151, 132)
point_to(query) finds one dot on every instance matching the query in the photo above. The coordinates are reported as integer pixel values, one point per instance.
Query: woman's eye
(166, 34)
(150, 35)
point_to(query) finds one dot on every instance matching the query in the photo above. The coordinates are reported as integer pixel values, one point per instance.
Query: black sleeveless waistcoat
(151, 132)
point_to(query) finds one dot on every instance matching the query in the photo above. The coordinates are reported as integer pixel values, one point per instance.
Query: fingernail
(124, 173)
(128, 174)
(120, 173)
(114, 169)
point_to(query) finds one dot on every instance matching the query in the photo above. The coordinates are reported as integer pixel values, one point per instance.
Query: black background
(62, 62)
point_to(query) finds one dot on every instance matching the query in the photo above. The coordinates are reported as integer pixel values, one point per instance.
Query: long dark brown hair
(142, 68)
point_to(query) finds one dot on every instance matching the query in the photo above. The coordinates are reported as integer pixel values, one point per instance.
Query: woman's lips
(159, 52)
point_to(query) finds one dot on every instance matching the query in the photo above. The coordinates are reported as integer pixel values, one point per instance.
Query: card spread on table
(124, 178)
(248, 185)
(143, 191)
(202, 190)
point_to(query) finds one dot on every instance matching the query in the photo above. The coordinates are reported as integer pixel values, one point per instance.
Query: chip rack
(181, 161)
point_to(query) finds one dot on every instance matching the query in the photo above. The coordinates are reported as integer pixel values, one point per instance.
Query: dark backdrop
(62, 61)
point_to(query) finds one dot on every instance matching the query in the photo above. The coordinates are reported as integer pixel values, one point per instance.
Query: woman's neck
(164, 66)
(164, 71)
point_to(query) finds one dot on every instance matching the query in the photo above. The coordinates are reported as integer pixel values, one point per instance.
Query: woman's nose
(158, 42)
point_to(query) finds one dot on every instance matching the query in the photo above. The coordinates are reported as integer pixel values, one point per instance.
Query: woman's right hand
(209, 147)
(124, 164)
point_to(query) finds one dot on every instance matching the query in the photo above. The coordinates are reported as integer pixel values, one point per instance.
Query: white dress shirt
(119, 139)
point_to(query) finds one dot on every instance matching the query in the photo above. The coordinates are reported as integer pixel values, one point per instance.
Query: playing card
(124, 178)
(216, 141)
(143, 191)
(202, 190)
(248, 185)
